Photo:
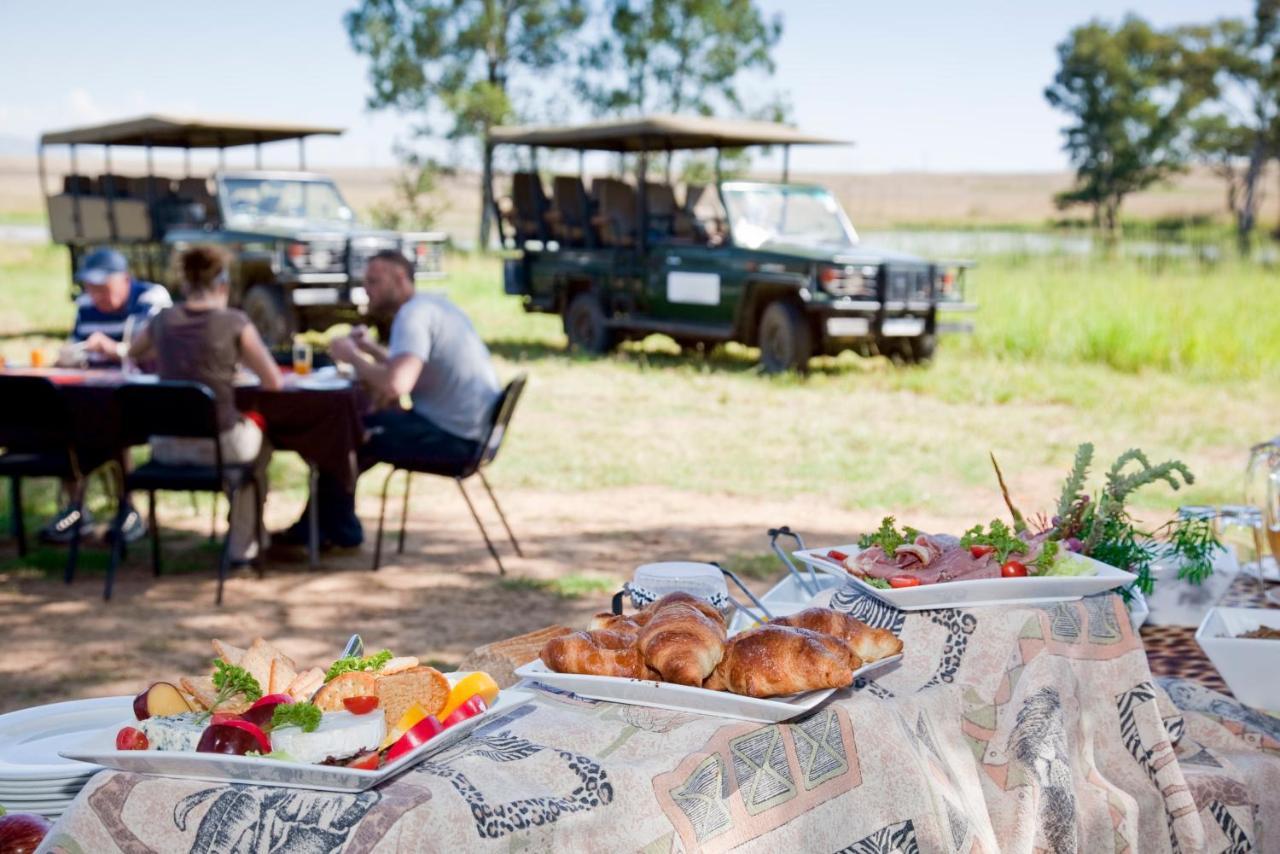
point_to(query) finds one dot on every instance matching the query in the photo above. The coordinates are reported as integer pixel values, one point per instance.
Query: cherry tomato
(981, 551)
(469, 709)
(1013, 569)
(904, 581)
(361, 705)
(422, 732)
(368, 762)
(837, 556)
(131, 738)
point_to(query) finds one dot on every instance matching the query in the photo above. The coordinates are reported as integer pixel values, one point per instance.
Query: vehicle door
(694, 284)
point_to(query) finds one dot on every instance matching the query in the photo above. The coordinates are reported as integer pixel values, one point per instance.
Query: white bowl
(1248, 665)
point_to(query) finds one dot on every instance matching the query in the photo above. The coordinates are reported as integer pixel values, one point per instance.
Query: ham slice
(947, 561)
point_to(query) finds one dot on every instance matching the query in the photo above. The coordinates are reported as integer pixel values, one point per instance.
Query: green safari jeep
(775, 266)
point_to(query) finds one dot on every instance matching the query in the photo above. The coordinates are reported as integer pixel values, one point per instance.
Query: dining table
(1022, 727)
(317, 416)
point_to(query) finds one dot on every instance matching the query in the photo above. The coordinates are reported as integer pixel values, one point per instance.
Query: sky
(916, 85)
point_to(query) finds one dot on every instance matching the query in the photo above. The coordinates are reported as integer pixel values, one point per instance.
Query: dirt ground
(439, 600)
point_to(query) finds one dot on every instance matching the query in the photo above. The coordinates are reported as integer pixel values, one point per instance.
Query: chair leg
(260, 525)
(154, 523)
(73, 550)
(117, 549)
(404, 510)
(19, 525)
(382, 521)
(224, 560)
(313, 515)
(213, 517)
(503, 516)
(502, 570)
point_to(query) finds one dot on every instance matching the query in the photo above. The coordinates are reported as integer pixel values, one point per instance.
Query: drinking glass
(301, 358)
(127, 365)
(37, 357)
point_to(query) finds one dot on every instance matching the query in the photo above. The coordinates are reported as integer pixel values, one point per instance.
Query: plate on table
(1031, 590)
(682, 698)
(322, 379)
(256, 770)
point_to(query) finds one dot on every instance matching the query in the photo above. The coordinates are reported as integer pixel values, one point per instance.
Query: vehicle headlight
(845, 280)
(305, 256)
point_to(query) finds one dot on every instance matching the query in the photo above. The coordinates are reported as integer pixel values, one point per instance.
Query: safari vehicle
(776, 266)
(299, 254)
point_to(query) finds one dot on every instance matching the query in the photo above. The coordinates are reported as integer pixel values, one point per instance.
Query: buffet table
(1014, 728)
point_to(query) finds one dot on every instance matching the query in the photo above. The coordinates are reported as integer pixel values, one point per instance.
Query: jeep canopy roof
(658, 133)
(169, 131)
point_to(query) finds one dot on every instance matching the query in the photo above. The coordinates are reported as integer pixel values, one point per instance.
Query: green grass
(572, 586)
(1180, 362)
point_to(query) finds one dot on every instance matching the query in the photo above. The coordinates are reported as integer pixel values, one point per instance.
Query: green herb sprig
(1047, 558)
(999, 536)
(353, 663)
(887, 536)
(305, 715)
(232, 680)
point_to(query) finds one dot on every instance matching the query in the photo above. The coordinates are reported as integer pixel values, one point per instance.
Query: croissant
(774, 660)
(626, 624)
(597, 653)
(682, 643)
(679, 598)
(867, 643)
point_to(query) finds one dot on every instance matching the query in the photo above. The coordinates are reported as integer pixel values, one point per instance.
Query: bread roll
(773, 660)
(596, 653)
(867, 643)
(682, 643)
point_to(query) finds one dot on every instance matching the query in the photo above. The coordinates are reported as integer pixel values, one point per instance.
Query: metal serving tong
(785, 531)
(768, 615)
(355, 646)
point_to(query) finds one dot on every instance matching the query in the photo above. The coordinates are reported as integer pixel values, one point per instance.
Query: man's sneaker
(61, 528)
(133, 528)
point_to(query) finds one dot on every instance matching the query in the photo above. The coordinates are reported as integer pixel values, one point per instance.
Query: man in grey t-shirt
(434, 356)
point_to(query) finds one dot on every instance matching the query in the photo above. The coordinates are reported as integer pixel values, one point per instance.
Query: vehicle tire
(785, 339)
(911, 351)
(586, 328)
(275, 319)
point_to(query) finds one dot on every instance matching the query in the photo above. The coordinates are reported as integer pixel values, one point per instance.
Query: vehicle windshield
(254, 199)
(782, 213)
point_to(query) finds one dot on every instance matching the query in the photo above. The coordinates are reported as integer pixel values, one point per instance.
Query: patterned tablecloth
(1017, 729)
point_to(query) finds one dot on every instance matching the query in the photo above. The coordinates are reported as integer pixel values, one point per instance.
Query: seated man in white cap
(113, 302)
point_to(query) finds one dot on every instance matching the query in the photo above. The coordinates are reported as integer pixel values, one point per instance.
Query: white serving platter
(682, 698)
(257, 770)
(986, 591)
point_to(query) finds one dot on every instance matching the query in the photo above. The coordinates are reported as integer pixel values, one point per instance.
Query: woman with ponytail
(201, 340)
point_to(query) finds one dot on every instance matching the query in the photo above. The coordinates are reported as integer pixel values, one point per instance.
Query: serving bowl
(1248, 665)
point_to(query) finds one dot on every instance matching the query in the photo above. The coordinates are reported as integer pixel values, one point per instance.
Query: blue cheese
(174, 732)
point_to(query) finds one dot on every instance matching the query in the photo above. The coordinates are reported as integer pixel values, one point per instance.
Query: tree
(414, 205)
(1129, 91)
(461, 59)
(1238, 130)
(677, 55)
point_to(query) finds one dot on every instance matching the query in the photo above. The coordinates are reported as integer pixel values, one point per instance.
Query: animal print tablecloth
(1004, 729)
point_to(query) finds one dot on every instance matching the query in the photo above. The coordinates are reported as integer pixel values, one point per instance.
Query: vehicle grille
(361, 250)
(908, 283)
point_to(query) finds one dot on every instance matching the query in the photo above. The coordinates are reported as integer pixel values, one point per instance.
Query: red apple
(129, 738)
(223, 717)
(262, 709)
(420, 733)
(469, 709)
(162, 698)
(235, 737)
(22, 832)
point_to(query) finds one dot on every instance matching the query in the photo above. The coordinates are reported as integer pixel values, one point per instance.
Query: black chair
(184, 410)
(37, 431)
(459, 471)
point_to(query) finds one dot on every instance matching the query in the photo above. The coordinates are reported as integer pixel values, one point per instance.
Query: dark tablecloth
(321, 426)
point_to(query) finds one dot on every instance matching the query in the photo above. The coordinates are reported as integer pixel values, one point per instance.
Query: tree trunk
(1247, 212)
(486, 199)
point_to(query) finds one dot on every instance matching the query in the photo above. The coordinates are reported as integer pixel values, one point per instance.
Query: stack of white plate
(33, 777)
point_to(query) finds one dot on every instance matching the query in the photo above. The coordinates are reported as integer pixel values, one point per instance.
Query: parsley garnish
(887, 536)
(999, 536)
(305, 715)
(1047, 558)
(351, 663)
(231, 680)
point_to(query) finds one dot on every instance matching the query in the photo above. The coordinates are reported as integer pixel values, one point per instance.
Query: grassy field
(1178, 362)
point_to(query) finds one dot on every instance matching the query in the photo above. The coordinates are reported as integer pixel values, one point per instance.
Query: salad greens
(353, 662)
(304, 715)
(887, 536)
(999, 536)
